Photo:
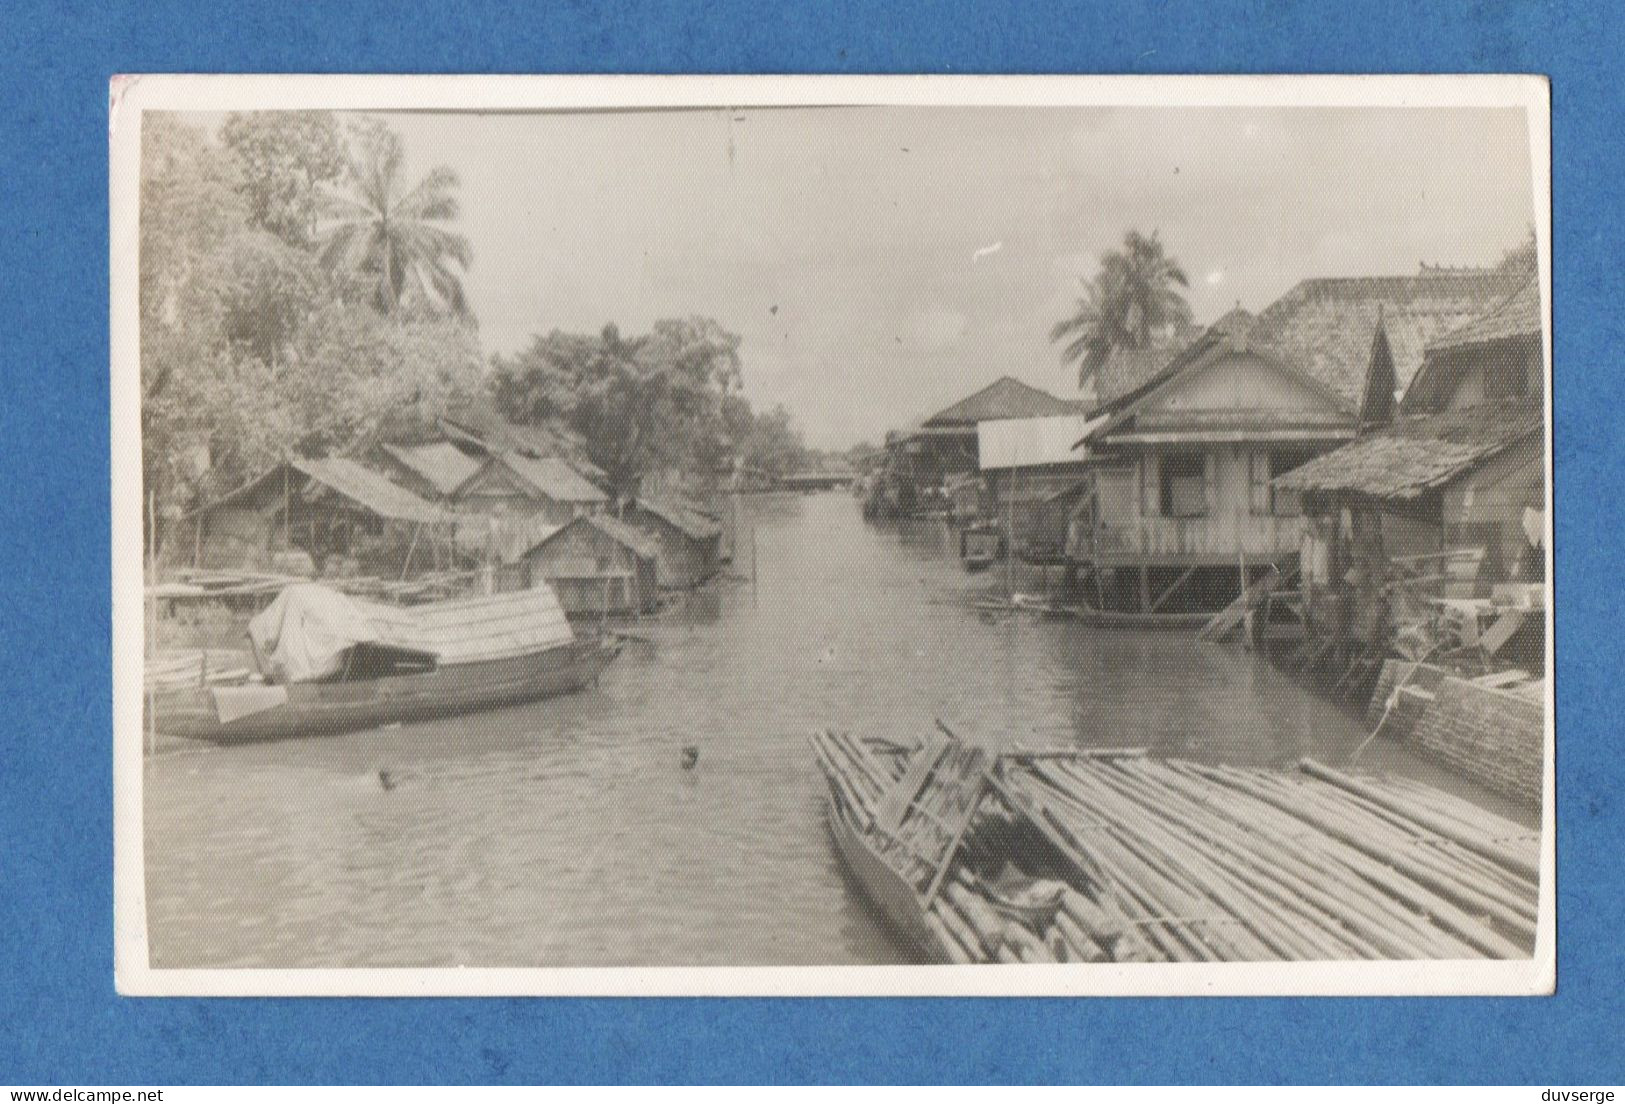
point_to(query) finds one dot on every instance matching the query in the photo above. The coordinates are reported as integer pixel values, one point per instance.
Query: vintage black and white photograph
(676, 535)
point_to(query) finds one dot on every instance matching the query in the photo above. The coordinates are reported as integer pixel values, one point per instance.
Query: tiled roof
(1133, 413)
(1003, 398)
(1517, 316)
(445, 466)
(1325, 327)
(1125, 370)
(1417, 454)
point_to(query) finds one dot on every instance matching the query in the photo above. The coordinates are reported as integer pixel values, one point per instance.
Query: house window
(1184, 485)
(1267, 499)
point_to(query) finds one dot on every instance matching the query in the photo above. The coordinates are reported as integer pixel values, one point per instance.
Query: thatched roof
(368, 489)
(1415, 455)
(1006, 397)
(1325, 327)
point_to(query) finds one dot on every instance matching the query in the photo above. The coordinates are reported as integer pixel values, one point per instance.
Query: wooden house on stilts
(331, 509)
(1433, 508)
(1185, 503)
(1182, 509)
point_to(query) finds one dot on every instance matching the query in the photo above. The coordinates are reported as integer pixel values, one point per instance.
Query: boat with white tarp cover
(330, 663)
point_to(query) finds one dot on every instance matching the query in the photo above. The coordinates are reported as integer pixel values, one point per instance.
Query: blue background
(60, 1020)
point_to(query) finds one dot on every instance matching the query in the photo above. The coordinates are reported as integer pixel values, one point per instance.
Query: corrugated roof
(689, 520)
(445, 466)
(368, 489)
(1417, 454)
(1007, 397)
(1519, 315)
(616, 530)
(630, 535)
(1324, 327)
(552, 477)
(477, 420)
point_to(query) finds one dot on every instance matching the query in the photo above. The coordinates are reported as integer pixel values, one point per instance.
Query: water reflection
(568, 833)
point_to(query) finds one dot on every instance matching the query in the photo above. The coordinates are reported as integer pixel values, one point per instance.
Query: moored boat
(981, 546)
(1071, 855)
(330, 664)
(930, 837)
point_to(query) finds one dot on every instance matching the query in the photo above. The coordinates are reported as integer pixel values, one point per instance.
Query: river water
(566, 833)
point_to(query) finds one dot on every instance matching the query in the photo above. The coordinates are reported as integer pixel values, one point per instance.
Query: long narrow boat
(930, 837)
(331, 664)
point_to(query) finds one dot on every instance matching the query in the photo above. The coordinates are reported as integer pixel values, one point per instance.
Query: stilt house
(598, 566)
(1438, 503)
(332, 509)
(516, 484)
(1185, 503)
(688, 539)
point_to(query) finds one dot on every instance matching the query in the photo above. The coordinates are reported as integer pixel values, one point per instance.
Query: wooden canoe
(900, 905)
(262, 712)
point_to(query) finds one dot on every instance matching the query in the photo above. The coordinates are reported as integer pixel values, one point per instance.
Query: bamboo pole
(1491, 849)
(1159, 896)
(1420, 896)
(1402, 851)
(1326, 926)
(961, 928)
(1240, 895)
(1198, 877)
(1322, 872)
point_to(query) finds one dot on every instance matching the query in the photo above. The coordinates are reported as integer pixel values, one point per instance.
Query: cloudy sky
(882, 262)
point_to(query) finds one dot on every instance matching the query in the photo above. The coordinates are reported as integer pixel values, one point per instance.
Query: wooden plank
(898, 800)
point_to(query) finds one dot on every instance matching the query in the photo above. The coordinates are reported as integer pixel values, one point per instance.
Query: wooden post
(1169, 593)
(1145, 588)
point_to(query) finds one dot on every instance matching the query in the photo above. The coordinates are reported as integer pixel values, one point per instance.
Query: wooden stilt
(1169, 593)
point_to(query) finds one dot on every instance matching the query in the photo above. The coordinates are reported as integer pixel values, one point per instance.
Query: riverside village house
(1183, 504)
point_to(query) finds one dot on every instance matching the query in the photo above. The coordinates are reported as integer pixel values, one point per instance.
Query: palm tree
(395, 237)
(1131, 300)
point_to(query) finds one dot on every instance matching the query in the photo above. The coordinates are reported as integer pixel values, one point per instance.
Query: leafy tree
(394, 237)
(190, 208)
(771, 442)
(1521, 257)
(1130, 302)
(249, 349)
(637, 402)
(286, 157)
(265, 290)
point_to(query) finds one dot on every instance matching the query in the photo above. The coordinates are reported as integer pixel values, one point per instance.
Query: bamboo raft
(1093, 856)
